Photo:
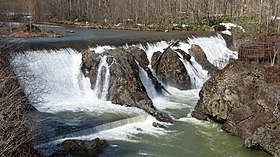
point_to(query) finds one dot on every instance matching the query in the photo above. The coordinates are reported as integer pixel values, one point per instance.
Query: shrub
(15, 139)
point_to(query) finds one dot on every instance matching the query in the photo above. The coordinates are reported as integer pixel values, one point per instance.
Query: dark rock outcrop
(245, 98)
(155, 57)
(79, 148)
(90, 66)
(184, 54)
(200, 57)
(125, 86)
(171, 70)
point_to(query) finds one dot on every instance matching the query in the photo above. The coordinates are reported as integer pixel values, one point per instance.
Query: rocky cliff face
(125, 86)
(245, 98)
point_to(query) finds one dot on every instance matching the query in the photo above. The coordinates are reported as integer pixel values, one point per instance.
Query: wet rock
(172, 71)
(79, 148)
(75, 148)
(1, 115)
(184, 54)
(90, 62)
(155, 57)
(160, 116)
(139, 55)
(200, 57)
(157, 125)
(125, 86)
(245, 99)
(158, 86)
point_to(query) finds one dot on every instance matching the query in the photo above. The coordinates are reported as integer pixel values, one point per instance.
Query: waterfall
(56, 78)
(151, 48)
(215, 49)
(147, 82)
(197, 74)
(64, 88)
(55, 75)
(102, 84)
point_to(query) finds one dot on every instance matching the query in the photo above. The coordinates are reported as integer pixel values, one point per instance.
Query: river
(70, 109)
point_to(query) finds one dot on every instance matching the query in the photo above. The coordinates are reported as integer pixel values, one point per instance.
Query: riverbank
(25, 30)
(244, 98)
(15, 138)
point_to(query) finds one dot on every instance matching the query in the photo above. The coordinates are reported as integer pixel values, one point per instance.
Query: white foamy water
(128, 132)
(61, 84)
(102, 84)
(147, 82)
(101, 49)
(178, 99)
(66, 88)
(229, 26)
(215, 49)
(195, 71)
(151, 48)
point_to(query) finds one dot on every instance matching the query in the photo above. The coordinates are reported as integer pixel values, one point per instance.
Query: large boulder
(125, 86)
(171, 70)
(79, 148)
(200, 57)
(155, 57)
(90, 62)
(245, 99)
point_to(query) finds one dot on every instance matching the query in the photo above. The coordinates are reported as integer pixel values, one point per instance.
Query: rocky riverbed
(245, 98)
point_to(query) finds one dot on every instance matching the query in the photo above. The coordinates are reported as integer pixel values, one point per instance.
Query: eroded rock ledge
(245, 98)
(125, 87)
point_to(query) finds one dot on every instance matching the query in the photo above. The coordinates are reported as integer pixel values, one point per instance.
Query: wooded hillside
(144, 11)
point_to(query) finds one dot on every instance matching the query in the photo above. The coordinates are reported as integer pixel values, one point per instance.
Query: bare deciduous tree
(15, 139)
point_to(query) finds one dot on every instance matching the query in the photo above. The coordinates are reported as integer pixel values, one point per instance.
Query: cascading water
(67, 91)
(215, 49)
(102, 84)
(197, 74)
(150, 48)
(101, 49)
(147, 82)
(56, 73)
(59, 73)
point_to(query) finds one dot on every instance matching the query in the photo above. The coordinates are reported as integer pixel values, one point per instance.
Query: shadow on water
(47, 127)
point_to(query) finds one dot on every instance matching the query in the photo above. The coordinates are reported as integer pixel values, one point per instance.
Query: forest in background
(201, 14)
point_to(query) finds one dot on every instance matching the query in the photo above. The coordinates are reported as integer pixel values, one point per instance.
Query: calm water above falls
(68, 94)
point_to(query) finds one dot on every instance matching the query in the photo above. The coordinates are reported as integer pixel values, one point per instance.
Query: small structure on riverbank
(265, 49)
